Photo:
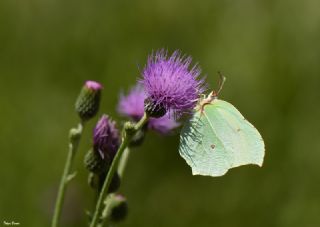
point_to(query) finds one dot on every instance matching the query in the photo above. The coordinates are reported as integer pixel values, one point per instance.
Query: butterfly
(217, 138)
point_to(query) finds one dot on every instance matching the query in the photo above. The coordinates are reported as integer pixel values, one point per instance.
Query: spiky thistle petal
(170, 82)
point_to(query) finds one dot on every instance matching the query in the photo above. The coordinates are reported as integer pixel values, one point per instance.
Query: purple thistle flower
(163, 124)
(171, 83)
(132, 106)
(106, 138)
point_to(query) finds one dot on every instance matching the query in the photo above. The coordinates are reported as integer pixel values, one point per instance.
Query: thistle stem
(129, 132)
(108, 200)
(74, 140)
(123, 162)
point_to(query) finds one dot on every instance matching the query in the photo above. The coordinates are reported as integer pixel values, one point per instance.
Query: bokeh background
(268, 50)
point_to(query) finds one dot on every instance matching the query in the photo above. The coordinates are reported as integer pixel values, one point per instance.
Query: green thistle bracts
(88, 101)
(95, 163)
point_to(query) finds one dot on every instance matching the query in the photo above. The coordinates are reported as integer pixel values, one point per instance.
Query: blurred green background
(268, 50)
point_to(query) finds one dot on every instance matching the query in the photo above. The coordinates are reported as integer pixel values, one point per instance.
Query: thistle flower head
(106, 138)
(171, 83)
(132, 106)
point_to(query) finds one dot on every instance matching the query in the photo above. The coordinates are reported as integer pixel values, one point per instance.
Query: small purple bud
(88, 101)
(171, 83)
(119, 209)
(106, 138)
(106, 142)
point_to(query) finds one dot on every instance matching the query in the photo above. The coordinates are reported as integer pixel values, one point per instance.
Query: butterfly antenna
(221, 82)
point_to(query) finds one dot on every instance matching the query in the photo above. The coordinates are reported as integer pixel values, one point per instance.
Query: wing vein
(214, 132)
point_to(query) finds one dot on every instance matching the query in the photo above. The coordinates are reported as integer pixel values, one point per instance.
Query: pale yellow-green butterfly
(217, 138)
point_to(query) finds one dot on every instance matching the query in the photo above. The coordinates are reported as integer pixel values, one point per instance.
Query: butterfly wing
(219, 138)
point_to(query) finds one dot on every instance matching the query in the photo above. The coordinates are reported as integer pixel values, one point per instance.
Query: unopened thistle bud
(96, 181)
(88, 101)
(95, 163)
(93, 180)
(115, 182)
(106, 141)
(120, 208)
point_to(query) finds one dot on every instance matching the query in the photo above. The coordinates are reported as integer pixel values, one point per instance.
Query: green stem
(123, 162)
(128, 134)
(74, 137)
(141, 123)
(108, 200)
(106, 211)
